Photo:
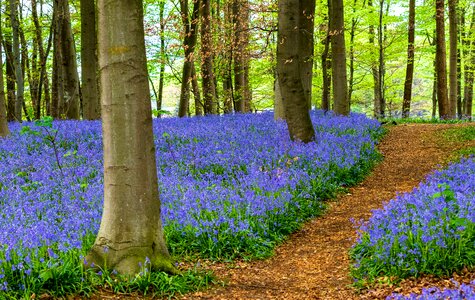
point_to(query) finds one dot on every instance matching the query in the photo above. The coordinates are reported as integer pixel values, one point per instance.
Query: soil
(313, 262)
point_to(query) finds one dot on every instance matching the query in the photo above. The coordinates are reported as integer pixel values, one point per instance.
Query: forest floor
(313, 262)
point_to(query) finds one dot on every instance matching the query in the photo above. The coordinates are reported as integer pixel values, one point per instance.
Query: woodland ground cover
(428, 231)
(230, 187)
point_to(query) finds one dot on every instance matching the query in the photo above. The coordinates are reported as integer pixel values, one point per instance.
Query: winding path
(313, 263)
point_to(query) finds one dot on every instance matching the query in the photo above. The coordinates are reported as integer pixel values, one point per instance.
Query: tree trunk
(381, 64)
(131, 227)
(288, 69)
(354, 22)
(16, 60)
(406, 104)
(89, 90)
(69, 65)
(162, 58)
(57, 103)
(326, 63)
(340, 83)
(239, 23)
(195, 88)
(441, 64)
(377, 97)
(189, 43)
(4, 130)
(453, 58)
(207, 74)
(469, 69)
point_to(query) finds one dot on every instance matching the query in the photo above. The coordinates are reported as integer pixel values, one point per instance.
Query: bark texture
(340, 83)
(406, 104)
(131, 228)
(289, 61)
(453, 59)
(4, 130)
(441, 61)
(89, 92)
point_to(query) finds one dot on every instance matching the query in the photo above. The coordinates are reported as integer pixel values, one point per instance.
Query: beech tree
(131, 228)
(4, 130)
(441, 60)
(293, 16)
(337, 32)
(406, 105)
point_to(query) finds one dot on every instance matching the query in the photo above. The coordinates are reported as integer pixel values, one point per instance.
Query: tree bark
(377, 97)
(453, 58)
(406, 104)
(189, 43)
(69, 65)
(326, 63)
(207, 74)
(20, 85)
(354, 22)
(469, 69)
(441, 63)
(239, 44)
(162, 58)
(340, 83)
(89, 91)
(288, 69)
(4, 130)
(131, 227)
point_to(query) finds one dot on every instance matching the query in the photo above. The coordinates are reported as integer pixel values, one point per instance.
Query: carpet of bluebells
(230, 186)
(462, 292)
(428, 231)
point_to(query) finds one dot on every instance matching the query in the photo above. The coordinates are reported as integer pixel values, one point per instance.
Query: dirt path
(313, 263)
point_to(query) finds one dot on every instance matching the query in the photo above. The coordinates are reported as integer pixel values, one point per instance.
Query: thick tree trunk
(288, 69)
(20, 85)
(441, 64)
(406, 104)
(306, 44)
(207, 74)
(89, 91)
(4, 130)
(189, 43)
(131, 227)
(340, 83)
(453, 58)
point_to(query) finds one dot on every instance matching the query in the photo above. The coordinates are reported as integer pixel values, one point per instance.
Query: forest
(237, 149)
(208, 58)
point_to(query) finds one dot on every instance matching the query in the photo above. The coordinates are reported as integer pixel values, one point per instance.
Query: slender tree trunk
(207, 74)
(381, 64)
(4, 130)
(469, 68)
(377, 97)
(89, 91)
(288, 68)
(162, 58)
(189, 43)
(16, 59)
(57, 105)
(453, 58)
(340, 83)
(239, 45)
(326, 63)
(354, 22)
(131, 228)
(441, 64)
(406, 104)
(195, 87)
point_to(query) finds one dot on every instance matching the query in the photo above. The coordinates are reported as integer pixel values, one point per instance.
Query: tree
(406, 105)
(453, 58)
(4, 130)
(289, 62)
(440, 60)
(131, 228)
(337, 32)
(207, 74)
(89, 92)
(20, 85)
(189, 43)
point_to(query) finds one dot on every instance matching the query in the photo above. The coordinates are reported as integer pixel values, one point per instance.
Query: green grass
(461, 135)
(396, 121)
